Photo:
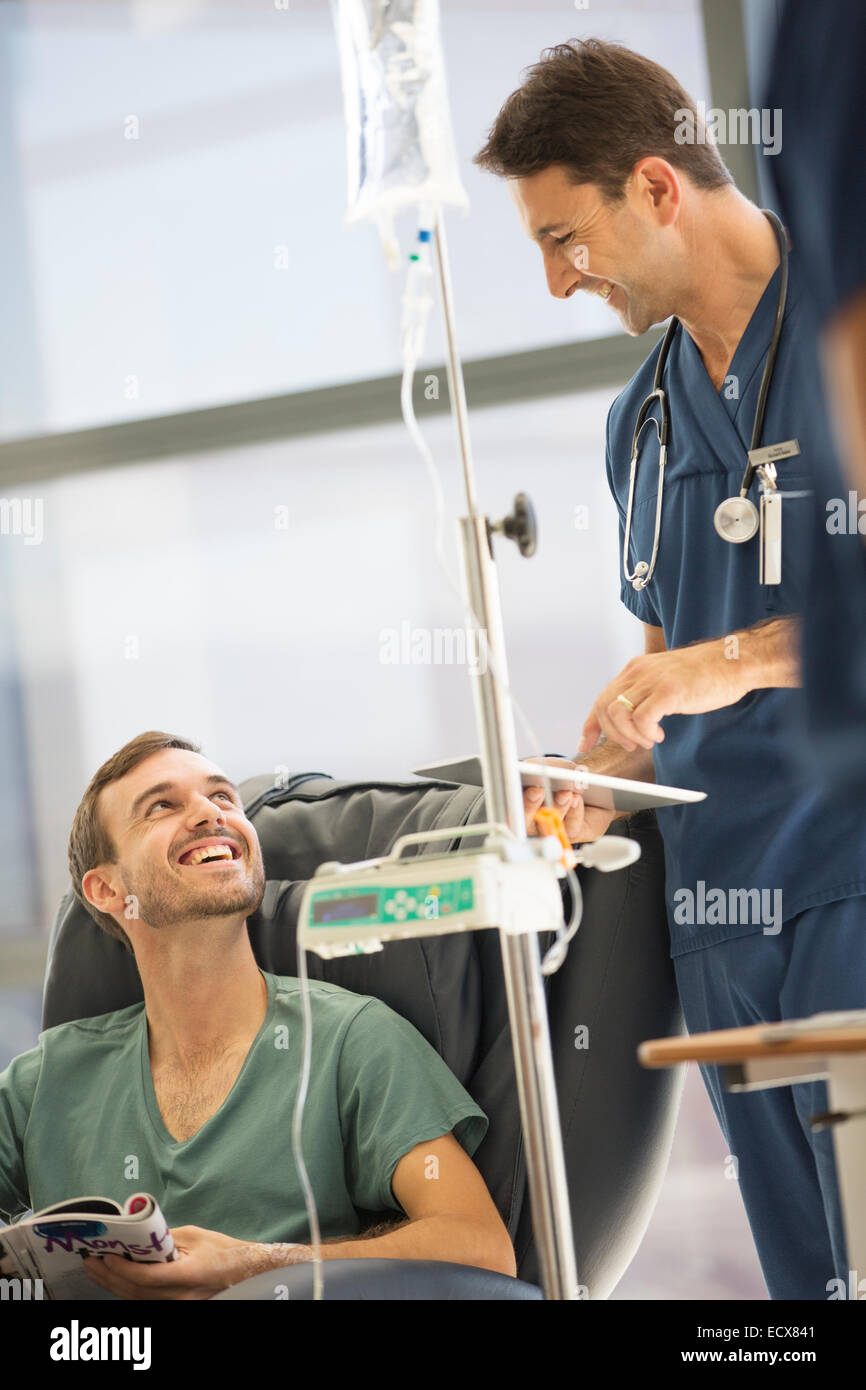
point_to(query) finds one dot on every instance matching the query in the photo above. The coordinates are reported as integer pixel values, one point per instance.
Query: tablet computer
(610, 793)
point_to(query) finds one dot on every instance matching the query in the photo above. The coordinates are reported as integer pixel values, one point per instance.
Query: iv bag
(400, 145)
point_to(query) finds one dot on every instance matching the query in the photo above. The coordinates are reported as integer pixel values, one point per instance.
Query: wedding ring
(624, 700)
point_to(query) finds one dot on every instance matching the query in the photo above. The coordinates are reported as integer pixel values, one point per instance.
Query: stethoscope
(737, 518)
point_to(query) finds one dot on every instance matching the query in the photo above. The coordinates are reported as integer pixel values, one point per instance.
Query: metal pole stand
(527, 1006)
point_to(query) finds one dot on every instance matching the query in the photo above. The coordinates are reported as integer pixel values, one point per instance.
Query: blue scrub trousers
(787, 1173)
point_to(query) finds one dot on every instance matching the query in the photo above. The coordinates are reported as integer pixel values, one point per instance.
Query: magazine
(51, 1245)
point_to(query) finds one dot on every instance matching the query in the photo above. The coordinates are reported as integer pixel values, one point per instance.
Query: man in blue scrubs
(817, 80)
(627, 199)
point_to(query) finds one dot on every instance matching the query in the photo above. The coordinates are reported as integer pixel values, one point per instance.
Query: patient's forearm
(454, 1239)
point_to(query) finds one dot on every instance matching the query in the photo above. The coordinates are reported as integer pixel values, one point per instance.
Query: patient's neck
(203, 991)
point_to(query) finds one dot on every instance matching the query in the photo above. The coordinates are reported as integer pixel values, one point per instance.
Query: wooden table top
(758, 1040)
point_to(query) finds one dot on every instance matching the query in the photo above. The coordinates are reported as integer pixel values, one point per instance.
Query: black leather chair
(617, 982)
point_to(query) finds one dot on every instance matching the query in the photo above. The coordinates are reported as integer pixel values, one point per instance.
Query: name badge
(770, 453)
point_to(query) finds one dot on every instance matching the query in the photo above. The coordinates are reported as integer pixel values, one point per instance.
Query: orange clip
(550, 822)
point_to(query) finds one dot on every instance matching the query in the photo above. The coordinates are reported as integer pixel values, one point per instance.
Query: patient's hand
(582, 822)
(207, 1263)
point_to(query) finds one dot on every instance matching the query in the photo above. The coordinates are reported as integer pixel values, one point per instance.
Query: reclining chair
(617, 981)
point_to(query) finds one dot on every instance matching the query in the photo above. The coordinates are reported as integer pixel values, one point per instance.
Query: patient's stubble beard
(162, 903)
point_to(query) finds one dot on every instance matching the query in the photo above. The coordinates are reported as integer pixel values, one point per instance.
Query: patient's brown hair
(89, 843)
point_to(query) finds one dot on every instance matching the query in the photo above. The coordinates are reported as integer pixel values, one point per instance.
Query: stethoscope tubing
(643, 572)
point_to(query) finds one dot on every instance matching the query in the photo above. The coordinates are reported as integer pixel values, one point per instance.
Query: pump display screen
(362, 905)
(390, 905)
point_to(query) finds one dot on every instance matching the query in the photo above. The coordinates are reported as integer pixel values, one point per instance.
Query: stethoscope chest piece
(736, 519)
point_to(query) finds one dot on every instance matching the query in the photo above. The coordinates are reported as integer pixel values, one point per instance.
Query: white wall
(165, 596)
(139, 275)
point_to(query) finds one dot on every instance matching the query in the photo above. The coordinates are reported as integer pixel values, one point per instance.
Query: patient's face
(185, 848)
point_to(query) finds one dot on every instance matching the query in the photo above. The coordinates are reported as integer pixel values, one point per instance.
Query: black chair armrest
(382, 1281)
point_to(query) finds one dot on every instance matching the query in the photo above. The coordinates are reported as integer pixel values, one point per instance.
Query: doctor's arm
(612, 758)
(582, 822)
(705, 675)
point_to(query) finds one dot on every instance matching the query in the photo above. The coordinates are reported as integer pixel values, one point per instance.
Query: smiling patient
(190, 1095)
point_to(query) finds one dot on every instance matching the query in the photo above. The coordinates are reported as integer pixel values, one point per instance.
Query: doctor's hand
(207, 1263)
(581, 822)
(686, 680)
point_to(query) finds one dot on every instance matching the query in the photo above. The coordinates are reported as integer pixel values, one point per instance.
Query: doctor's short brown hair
(596, 109)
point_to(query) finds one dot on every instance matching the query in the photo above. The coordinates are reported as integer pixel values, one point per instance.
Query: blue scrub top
(818, 81)
(766, 824)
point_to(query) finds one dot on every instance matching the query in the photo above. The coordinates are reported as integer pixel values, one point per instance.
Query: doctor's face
(184, 847)
(618, 251)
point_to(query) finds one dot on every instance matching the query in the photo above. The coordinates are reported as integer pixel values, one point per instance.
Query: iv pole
(527, 1008)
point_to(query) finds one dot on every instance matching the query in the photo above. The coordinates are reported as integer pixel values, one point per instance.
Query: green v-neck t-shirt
(78, 1117)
